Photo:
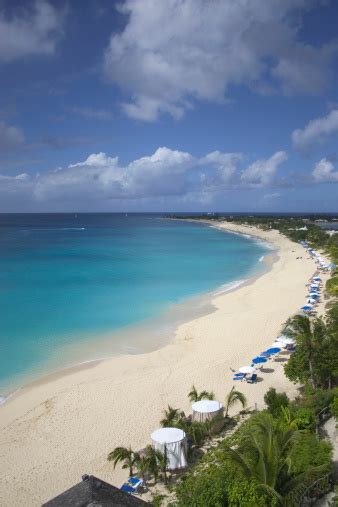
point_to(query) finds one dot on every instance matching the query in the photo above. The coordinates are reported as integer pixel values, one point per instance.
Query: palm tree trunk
(312, 380)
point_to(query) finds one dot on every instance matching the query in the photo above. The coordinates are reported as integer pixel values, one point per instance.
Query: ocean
(68, 280)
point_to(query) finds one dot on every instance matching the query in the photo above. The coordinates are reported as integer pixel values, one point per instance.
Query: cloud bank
(172, 53)
(165, 173)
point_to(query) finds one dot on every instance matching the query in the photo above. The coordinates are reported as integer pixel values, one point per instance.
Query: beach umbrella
(282, 337)
(287, 341)
(275, 344)
(273, 350)
(259, 359)
(316, 278)
(311, 300)
(246, 369)
(313, 294)
(306, 308)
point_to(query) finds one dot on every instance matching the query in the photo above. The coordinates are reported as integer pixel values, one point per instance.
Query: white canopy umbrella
(173, 443)
(282, 337)
(246, 369)
(311, 300)
(206, 409)
(286, 340)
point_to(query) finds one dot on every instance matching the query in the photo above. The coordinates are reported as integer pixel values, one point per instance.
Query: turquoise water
(64, 278)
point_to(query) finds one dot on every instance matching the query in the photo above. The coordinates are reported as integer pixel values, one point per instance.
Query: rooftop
(93, 492)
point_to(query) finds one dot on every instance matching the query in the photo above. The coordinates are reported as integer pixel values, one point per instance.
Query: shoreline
(170, 316)
(75, 420)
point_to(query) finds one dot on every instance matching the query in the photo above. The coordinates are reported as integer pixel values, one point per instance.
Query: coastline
(76, 418)
(153, 333)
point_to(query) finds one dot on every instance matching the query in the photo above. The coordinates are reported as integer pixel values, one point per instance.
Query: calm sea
(65, 279)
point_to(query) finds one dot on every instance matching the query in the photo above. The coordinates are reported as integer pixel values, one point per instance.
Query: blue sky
(143, 105)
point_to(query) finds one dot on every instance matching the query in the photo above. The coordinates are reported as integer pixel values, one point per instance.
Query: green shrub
(220, 486)
(274, 401)
(334, 407)
(309, 451)
(304, 419)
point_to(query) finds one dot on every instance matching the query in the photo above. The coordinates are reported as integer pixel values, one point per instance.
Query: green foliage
(316, 400)
(172, 417)
(203, 395)
(274, 401)
(304, 419)
(233, 398)
(157, 500)
(218, 486)
(309, 452)
(124, 455)
(334, 407)
(264, 454)
(332, 285)
(315, 360)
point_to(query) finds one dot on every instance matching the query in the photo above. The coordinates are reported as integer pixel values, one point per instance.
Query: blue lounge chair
(239, 376)
(252, 379)
(126, 488)
(133, 485)
(134, 481)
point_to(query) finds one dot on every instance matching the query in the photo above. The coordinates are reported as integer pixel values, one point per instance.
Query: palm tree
(142, 465)
(126, 455)
(233, 398)
(308, 334)
(203, 395)
(265, 454)
(153, 457)
(162, 459)
(172, 416)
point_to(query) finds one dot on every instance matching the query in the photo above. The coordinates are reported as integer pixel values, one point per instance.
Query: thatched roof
(93, 492)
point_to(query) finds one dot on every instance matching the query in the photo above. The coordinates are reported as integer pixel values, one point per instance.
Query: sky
(171, 105)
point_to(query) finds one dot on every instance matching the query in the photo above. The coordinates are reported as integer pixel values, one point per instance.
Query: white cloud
(315, 131)
(35, 32)
(175, 52)
(324, 171)
(10, 137)
(262, 172)
(164, 173)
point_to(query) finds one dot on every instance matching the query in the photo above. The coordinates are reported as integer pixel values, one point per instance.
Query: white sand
(64, 426)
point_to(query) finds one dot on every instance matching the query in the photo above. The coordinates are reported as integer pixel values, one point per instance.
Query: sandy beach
(63, 426)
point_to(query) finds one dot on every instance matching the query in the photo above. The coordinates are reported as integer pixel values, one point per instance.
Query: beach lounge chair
(126, 488)
(239, 376)
(133, 486)
(252, 379)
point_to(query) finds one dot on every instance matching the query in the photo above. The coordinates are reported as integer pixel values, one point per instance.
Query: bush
(220, 486)
(334, 407)
(309, 451)
(305, 419)
(275, 401)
